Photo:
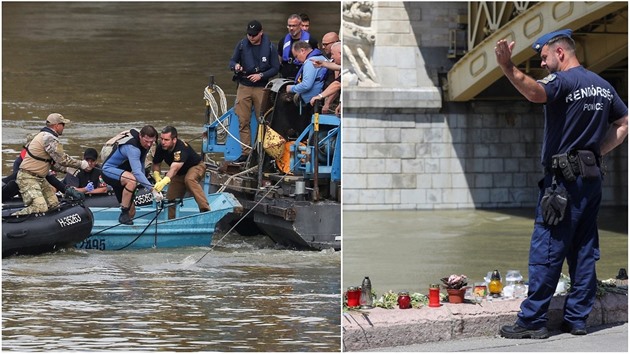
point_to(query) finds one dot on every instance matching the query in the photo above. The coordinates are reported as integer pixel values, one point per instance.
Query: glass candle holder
(404, 301)
(434, 295)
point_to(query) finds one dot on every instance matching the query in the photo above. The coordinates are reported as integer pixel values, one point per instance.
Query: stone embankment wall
(405, 148)
(378, 328)
(476, 155)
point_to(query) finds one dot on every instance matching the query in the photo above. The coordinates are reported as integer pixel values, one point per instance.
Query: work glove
(554, 204)
(89, 187)
(85, 165)
(157, 196)
(156, 176)
(162, 183)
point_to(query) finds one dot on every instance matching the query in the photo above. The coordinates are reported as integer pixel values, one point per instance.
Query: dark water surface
(409, 250)
(111, 66)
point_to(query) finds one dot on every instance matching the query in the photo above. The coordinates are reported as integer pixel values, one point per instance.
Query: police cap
(537, 46)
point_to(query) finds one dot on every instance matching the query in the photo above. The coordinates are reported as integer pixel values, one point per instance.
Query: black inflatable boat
(71, 222)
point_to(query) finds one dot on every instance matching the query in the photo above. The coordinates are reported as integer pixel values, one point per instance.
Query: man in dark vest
(123, 169)
(289, 65)
(254, 62)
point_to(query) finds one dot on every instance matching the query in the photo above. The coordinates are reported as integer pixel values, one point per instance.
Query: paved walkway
(381, 328)
(604, 338)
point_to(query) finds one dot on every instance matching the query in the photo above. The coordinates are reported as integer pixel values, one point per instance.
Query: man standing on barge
(254, 62)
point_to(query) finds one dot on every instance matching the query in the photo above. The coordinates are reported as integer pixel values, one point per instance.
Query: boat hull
(153, 229)
(45, 232)
(315, 226)
(290, 186)
(142, 197)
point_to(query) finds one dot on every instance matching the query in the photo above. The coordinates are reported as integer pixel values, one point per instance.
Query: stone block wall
(471, 155)
(404, 148)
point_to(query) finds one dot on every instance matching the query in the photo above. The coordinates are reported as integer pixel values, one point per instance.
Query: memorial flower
(455, 281)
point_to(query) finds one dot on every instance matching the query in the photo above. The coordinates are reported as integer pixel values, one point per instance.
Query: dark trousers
(575, 239)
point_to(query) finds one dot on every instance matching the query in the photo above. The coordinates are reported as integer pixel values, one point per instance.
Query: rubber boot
(124, 217)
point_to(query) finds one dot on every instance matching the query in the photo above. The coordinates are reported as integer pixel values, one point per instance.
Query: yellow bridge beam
(477, 70)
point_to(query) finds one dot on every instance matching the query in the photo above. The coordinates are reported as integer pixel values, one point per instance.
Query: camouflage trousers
(38, 195)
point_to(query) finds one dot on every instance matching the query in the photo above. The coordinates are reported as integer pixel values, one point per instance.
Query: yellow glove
(161, 184)
(156, 176)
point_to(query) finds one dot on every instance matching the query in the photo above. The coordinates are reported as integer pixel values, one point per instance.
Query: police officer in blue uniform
(584, 119)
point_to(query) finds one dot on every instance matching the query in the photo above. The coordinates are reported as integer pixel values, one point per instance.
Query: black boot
(124, 216)
(518, 332)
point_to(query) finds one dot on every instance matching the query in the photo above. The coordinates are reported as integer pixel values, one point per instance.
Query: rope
(225, 184)
(210, 101)
(214, 111)
(157, 213)
(249, 211)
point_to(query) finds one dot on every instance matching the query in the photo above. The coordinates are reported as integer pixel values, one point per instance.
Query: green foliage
(389, 300)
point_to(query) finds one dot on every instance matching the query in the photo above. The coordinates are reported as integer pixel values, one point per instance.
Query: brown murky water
(110, 66)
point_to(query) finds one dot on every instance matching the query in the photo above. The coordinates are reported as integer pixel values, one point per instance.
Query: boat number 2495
(92, 244)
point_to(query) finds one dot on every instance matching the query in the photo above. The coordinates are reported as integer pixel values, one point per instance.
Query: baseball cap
(91, 154)
(537, 46)
(253, 28)
(56, 118)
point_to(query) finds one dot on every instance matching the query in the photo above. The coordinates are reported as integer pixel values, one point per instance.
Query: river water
(409, 250)
(111, 66)
(245, 295)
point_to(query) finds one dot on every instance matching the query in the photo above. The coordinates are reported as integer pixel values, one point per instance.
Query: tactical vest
(37, 161)
(131, 136)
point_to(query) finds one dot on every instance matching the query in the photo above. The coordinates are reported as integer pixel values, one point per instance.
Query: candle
(434, 295)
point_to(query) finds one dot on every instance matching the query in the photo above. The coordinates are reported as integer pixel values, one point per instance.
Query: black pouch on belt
(588, 164)
(561, 163)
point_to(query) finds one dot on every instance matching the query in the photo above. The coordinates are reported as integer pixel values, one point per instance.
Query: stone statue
(359, 38)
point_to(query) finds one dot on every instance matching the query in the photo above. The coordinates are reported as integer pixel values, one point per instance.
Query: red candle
(354, 294)
(404, 301)
(434, 295)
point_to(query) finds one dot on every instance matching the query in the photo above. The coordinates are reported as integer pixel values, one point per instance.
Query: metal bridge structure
(600, 30)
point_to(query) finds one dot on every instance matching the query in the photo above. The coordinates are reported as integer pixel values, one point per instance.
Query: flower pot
(456, 296)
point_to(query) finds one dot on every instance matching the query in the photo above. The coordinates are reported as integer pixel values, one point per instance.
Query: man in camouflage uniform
(43, 153)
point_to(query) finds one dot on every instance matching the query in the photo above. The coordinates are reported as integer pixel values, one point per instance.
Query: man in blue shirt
(124, 169)
(584, 119)
(310, 79)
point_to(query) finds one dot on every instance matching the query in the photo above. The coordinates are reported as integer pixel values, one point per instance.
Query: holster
(560, 164)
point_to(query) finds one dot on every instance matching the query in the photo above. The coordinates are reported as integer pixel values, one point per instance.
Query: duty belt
(562, 164)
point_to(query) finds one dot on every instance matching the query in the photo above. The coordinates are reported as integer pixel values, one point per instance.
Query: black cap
(90, 153)
(253, 28)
